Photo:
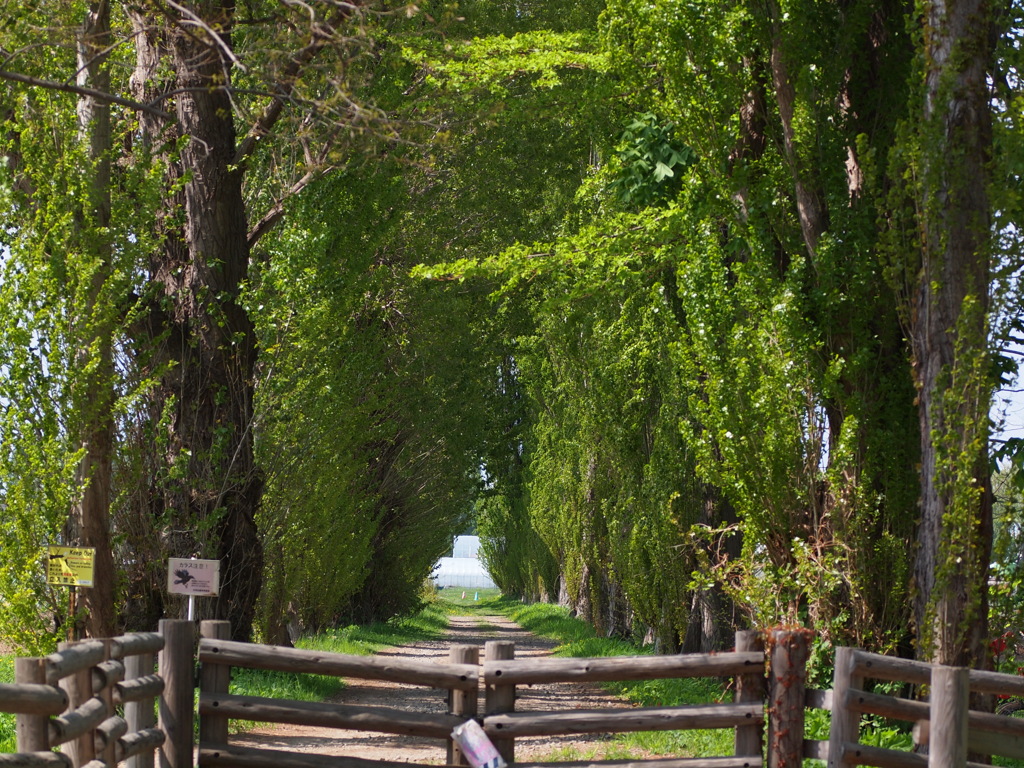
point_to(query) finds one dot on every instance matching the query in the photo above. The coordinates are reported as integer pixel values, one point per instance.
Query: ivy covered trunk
(950, 336)
(89, 521)
(202, 339)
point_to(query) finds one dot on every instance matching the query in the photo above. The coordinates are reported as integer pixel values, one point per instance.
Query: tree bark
(201, 337)
(89, 519)
(214, 381)
(950, 336)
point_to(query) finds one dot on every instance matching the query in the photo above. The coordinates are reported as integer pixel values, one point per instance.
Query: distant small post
(501, 699)
(462, 703)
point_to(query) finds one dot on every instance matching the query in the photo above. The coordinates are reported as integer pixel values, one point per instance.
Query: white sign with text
(193, 577)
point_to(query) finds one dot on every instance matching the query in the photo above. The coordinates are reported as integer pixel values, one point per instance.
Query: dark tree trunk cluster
(201, 338)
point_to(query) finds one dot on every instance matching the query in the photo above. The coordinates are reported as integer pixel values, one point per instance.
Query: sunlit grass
(464, 601)
(429, 624)
(8, 740)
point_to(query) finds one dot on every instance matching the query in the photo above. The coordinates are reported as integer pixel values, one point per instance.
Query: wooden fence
(461, 677)
(502, 673)
(945, 723)
(70, 700)
(217, 706)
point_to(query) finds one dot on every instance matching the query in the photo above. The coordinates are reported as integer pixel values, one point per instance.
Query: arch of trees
(696, 309)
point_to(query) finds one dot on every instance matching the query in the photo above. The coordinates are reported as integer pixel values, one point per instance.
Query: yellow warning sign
(69, 566)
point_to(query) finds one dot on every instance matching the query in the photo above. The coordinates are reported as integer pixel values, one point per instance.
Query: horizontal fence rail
(430, 674)
(621, 668)
(32, 699)
(340, 716)
(623, 720)
(230, 756)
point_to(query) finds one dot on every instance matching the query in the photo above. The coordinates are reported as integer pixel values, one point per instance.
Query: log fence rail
(72, 699)
(500, 673)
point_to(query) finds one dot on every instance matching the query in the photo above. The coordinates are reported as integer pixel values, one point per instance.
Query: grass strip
(8, 738)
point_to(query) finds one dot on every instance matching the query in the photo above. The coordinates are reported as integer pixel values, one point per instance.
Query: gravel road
(376, 746)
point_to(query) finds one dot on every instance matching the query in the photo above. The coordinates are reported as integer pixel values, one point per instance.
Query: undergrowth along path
(463, 630)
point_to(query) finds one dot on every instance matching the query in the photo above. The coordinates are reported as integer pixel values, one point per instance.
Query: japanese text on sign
(70, 566)
(193, 577)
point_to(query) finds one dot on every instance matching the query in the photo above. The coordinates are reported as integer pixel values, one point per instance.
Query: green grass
(8, 740)
(475, 600)
(429, 624)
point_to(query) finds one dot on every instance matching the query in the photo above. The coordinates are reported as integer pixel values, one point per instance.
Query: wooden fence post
(461, 703)
(78, 687)
(501, 699)
(750, 688)
(947, 744)
(790, 649)
(214, 678)
(177, 667)
(139, 714)
(108, 754)
(845, 728)
(33, 732)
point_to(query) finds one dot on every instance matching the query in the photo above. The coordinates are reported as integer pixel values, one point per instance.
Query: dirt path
(377, 746)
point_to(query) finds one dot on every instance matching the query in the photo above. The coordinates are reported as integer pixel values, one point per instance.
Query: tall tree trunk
(950, 336)
(203, 338)
(89, 519)
(214, 382)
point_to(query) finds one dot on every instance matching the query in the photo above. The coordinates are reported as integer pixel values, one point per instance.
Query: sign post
(189, 576)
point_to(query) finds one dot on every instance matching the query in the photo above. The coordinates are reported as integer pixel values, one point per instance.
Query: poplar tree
(202, 104)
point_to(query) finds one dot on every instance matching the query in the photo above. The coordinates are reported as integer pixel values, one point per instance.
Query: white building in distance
(464, 568)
